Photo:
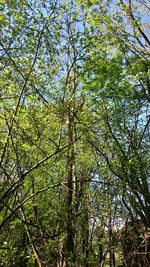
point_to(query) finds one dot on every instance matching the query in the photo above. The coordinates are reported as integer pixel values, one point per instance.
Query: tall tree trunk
(69, 190)
(102, 253)
(85, 241)
(111, 243)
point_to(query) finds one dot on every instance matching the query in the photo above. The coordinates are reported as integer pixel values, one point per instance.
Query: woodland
(74, 133)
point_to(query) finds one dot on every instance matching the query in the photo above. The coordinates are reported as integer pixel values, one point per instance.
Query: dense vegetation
(74, 125)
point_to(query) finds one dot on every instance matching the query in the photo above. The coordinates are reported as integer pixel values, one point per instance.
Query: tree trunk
(69, 191)
(111, 243)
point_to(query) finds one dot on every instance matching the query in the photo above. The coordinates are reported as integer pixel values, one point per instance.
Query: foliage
(74, 124)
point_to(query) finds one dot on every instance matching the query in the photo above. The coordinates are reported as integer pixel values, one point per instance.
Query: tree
(74, 130)
(118, 81)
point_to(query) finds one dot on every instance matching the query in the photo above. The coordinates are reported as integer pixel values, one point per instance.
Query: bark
(69, 190)
(111, 243)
